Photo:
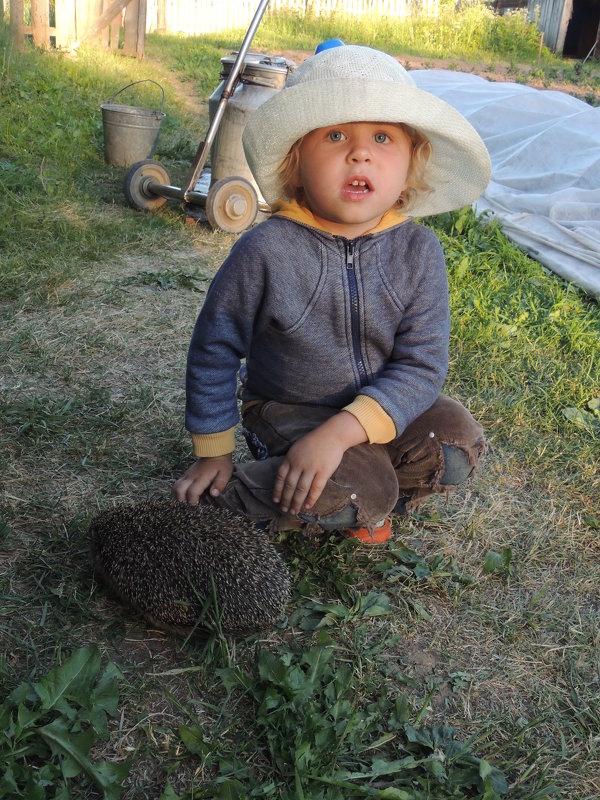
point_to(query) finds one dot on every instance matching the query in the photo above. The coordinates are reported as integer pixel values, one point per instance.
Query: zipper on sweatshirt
(354, 314)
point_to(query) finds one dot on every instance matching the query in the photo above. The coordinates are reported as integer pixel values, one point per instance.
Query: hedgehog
(183, 567)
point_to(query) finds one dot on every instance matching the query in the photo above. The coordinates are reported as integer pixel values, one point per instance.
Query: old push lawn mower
(226, 193)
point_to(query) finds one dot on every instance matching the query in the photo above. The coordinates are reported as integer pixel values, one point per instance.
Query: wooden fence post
(115, 30)
(143, 14)
(88, 14)
(96, 9)
(161, 15)
(40, 23)
(65, 23)
(17, 26)
(135, 28)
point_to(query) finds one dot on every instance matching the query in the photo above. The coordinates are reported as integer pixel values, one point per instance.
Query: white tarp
(545, 151)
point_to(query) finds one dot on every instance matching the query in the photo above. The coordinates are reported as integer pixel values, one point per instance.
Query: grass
(460, 661)
(471, 33)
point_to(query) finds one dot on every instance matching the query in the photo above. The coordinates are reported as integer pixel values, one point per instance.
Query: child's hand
(206, 473)
(307, 467)
(312, 460)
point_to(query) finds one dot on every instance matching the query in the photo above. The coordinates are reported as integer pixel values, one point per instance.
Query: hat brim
(458, 169)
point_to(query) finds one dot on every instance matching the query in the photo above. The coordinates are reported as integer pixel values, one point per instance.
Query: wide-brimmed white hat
(358, 84)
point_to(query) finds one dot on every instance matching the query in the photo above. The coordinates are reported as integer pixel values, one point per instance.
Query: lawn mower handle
(236, 70)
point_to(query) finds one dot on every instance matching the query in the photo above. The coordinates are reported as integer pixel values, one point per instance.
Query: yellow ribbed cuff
(377, 423)
(206, 445)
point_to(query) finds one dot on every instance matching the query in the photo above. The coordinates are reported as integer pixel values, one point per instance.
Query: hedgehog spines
(166, 558)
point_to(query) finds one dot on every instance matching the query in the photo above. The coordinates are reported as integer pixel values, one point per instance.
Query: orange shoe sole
(381, 534)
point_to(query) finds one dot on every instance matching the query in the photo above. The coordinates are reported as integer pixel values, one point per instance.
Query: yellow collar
(293, 210)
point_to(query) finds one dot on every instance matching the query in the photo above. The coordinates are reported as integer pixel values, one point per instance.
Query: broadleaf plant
(48, 728)
(319, 737)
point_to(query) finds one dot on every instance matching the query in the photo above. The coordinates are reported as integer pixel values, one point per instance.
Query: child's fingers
(292, 494)
(291, 488)
(315, 492)
(298, 497)
(304, 494)
(200, 478)
(188, 491)
(219, 483)
(278, 485)
(180, 489)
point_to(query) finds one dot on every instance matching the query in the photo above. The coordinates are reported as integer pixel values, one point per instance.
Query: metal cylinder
(261, 78)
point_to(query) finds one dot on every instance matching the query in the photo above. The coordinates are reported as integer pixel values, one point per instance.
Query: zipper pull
(350, 255)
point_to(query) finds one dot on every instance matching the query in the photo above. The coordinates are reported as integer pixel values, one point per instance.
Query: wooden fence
(118, 24)
(122, 24)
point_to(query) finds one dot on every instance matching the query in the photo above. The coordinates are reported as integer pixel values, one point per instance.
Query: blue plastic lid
(328, 44)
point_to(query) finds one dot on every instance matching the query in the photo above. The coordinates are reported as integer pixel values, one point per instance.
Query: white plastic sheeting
(545, 151)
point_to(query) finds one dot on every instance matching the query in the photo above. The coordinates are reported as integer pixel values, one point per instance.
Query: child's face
(353, 173)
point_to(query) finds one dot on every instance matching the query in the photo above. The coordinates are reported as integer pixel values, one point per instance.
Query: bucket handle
(146, 80)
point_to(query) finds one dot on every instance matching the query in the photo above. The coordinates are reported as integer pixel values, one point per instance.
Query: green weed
(321, 741)
(48, 728)
(168, 279)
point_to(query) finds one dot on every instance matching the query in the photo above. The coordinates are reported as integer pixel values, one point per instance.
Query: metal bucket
(130, 132)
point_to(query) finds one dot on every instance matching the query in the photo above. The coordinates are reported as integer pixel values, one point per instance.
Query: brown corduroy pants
(438, 451)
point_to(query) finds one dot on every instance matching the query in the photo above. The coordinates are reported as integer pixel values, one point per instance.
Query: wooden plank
(17, 26)
(130, 32)
(115, 32)
(65, 23)
(565, 17)
(113, 10)
(83, 17)
(40, 23)
(103, 34)
(135, 29)
(161, 15)
(88, 13)
(141, 28)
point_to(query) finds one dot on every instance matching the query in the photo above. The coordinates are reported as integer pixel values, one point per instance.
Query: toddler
(337, 307)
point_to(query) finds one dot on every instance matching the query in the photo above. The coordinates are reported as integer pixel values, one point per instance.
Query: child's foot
(382, 533)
